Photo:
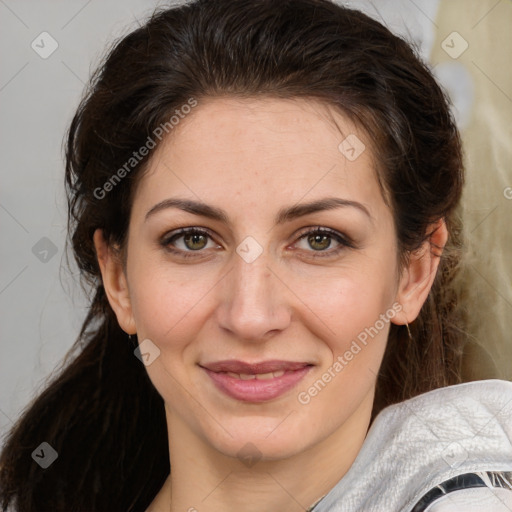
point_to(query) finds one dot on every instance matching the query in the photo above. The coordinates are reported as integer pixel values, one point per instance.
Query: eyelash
(344, 241)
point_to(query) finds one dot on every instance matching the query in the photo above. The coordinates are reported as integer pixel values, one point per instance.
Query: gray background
(41, 303)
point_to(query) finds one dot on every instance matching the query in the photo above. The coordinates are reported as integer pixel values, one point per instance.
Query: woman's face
(266, 335)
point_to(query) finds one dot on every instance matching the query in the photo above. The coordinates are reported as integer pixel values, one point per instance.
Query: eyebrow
(286, 214)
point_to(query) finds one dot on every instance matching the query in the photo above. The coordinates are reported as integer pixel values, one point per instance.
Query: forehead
(271, 127)
(263, 151)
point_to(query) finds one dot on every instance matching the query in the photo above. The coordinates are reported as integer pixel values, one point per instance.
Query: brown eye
(195, 241)
(320, 239)
(319, 242)
(187, 241)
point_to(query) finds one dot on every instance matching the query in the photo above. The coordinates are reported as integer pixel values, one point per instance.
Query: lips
(241, 367)
(259, 376)
(255, 382)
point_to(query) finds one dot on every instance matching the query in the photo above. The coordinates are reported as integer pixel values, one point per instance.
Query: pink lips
(256, 382)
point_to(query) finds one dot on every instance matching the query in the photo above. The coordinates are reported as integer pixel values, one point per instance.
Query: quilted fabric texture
(418, 444)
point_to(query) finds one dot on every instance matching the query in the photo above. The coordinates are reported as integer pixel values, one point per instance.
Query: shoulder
(431, 442)
(475, 492)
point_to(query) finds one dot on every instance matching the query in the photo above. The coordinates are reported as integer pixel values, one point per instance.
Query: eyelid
(165, 240)
(345, 239)
(344, 242)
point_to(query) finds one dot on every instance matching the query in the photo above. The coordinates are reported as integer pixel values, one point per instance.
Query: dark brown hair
(101, 413)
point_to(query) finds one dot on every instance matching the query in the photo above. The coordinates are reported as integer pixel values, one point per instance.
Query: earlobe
(419, 274)
(114, 282)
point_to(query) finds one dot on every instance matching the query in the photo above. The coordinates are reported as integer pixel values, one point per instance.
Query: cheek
(360, 327)
(358, 316)
(166, 304)
(350, 300)
(169, 310)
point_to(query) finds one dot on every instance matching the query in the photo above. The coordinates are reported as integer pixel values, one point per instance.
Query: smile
(259, 376)
(259, 382)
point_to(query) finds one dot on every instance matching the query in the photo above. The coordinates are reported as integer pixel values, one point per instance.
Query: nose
(253, 304)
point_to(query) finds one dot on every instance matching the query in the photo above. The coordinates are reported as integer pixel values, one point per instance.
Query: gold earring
(133, 342)
(409, 331)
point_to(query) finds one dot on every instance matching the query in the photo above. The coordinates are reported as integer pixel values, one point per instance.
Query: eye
(187, 241)
(320, 239)
(191, 242)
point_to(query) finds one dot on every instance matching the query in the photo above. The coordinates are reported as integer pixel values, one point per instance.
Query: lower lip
(255, 390)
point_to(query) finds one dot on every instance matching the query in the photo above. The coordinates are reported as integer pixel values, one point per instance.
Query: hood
(417, 444)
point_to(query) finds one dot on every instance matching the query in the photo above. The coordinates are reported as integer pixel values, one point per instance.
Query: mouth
(255, 382)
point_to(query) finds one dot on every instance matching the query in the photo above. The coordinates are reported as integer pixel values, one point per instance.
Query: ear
(419, 274)
(114, 282)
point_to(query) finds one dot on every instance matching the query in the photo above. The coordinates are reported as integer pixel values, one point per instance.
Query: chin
(262, 439)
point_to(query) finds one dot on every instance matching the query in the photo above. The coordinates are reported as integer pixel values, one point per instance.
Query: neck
(205, 480)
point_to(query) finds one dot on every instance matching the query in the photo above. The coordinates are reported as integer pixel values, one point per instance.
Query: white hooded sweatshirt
(449, 450)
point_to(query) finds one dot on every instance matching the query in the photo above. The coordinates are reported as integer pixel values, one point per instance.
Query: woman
(262, 196)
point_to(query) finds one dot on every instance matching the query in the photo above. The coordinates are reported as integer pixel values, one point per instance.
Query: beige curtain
(473, 55)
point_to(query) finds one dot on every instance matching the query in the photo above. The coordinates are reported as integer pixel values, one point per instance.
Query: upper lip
(235, 366)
